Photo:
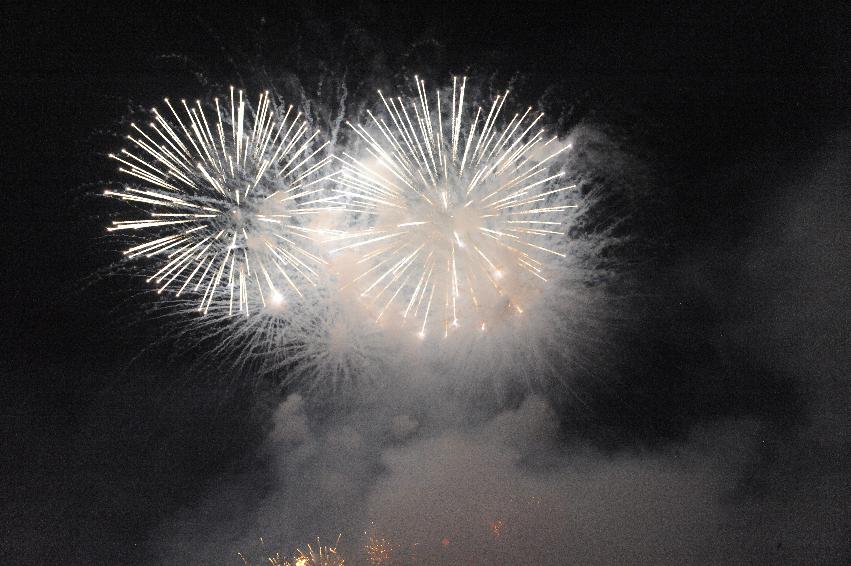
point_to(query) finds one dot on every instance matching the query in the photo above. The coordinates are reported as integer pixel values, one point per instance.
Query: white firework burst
(463, 212)
(225, 201)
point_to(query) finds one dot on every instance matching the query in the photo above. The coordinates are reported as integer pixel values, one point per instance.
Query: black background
(722, 102)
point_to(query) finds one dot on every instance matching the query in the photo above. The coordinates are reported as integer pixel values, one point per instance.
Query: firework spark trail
(226, 201)
(461, 209)
(319, 342)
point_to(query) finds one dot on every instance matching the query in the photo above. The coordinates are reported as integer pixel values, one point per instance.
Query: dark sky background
(736, 125)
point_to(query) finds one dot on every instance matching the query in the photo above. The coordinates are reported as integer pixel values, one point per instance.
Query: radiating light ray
(225, 193)
(462, 207)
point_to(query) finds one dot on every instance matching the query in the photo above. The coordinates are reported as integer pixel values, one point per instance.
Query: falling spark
(225, 195)
(461, 209)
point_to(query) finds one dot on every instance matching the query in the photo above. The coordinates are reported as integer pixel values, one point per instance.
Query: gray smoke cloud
(504, 491)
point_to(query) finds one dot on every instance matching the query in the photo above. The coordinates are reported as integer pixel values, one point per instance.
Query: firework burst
(462, 211)
(225, 195)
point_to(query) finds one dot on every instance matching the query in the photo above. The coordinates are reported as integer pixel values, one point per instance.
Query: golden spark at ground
(224, 194)
(461, 209)
(321, 556)
(379, 551)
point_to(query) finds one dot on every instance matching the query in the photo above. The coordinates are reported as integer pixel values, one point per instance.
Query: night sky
(710, 425)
